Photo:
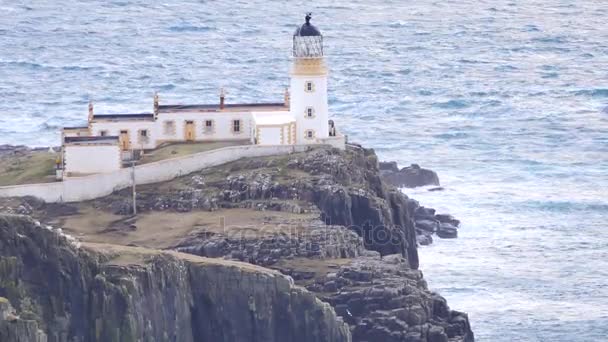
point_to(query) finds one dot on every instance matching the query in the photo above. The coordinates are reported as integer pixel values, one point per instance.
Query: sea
(506, 100)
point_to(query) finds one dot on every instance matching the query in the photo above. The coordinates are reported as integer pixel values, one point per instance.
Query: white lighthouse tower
(308, 97)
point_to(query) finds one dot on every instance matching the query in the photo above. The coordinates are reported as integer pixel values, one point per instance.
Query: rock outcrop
(409, 177)
(386, 301)
(325, 218)
(117, 293)
(16, 328)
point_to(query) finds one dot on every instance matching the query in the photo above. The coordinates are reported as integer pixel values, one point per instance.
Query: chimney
(222, 98)
(155, 105)
(287, 97)
(90, 111)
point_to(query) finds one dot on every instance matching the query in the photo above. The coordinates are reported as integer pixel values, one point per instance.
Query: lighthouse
(308, 84)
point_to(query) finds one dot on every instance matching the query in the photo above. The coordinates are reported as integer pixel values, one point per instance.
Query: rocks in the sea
(427, 223)
(447, 231)
(410, 177)
(424, 238)
(444, 218)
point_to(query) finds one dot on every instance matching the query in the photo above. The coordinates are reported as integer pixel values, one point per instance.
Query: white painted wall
(222, 125)
(270, 135)
(133, 126)
(300, 100)
(86, 159)
(74, 189)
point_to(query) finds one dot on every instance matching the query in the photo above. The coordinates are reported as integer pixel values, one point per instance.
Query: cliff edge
(323, 217)
(117, 293)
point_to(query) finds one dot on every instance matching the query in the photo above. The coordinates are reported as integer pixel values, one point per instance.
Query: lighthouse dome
(307, 41)
(307, 29)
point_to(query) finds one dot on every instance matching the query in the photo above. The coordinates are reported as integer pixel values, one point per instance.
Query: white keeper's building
(301, 118)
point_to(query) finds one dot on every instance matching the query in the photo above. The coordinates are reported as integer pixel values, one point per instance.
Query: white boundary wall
(74, 189)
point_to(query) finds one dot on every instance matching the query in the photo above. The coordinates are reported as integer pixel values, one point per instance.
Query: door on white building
(189, 131)
(125, 142)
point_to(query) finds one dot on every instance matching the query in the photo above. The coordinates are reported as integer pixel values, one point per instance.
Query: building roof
(137, 116)
(92, 140)
(307, 29)
(76, 127)
(233, 107)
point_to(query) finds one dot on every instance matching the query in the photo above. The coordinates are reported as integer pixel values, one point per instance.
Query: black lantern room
(307, 40)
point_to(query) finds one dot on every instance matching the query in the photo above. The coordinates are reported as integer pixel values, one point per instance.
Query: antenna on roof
(90, 110)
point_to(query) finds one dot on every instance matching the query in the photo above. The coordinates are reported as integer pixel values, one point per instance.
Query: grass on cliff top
(175, 150)
(138, 256)
(31, 167)
(319, 267)
(166, 229)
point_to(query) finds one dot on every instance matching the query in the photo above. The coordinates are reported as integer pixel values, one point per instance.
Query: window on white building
(310, 112)
(143, 136)
(309, 86)
(236, 126)
(169, 128)
(309, 134)
(103, 133)
(208, 126)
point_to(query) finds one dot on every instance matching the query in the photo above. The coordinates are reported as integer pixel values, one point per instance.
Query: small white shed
(275, 128)
(93, 154)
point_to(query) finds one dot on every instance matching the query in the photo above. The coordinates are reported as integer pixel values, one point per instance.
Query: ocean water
(506, 100)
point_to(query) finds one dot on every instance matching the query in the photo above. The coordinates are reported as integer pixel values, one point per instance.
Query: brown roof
(92, 139)
(232, 107)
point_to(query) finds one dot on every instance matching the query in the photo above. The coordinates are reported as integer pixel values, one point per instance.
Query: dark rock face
(319, 241)
(427, 223)
(337, 256)
(386, 301)
(15, 328)
(447, 231)
(409, 177)
(344, 185)
(134, 294)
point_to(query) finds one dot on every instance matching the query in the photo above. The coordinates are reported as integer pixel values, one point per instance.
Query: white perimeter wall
(91, 158)
(102, 184)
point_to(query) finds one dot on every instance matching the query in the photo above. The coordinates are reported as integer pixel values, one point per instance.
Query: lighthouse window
(310, 112)
(236, 126)
(309, 134)
(309, 86)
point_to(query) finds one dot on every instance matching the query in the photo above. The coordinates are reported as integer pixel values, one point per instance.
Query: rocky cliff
(116, 293)
(324, 217)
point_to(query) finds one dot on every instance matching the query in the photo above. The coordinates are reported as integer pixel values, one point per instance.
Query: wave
(190, 28)
(452, 104)
(450, 136)
(598, 92)
(563, 206)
